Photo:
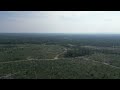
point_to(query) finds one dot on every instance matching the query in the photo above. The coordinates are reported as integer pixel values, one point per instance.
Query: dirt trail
(8, 76)
(23, 61)
(103, 63)
(112, 65)
(55, 58)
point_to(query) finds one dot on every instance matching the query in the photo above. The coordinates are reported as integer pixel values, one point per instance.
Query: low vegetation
(59, 56)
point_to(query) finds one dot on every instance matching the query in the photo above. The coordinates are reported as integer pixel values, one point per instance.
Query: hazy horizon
(66, 22)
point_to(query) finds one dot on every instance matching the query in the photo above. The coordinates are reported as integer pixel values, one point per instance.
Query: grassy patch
(60, 69)
(33, 51)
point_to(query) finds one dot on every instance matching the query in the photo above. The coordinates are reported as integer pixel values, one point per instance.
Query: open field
(22, 52)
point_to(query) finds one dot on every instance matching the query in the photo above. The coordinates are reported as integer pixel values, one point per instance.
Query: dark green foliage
(99, 60)
(61, 39)
(80, 51)
(112, 59)
(59, 69)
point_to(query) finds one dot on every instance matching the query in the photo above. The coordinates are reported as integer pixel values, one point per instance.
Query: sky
(60, 22)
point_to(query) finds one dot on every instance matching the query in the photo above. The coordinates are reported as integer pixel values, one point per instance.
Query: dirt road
(103, 63)
(57, 56)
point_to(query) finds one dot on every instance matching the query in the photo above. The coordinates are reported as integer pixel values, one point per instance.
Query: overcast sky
(60, 21)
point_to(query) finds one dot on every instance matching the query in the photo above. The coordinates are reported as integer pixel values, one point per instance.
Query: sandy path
(8, 75)
(103, 63)
(55, 58)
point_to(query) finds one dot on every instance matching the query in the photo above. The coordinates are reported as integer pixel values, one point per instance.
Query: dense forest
(92, 40)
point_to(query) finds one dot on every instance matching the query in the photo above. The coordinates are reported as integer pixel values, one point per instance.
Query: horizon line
(50, 33)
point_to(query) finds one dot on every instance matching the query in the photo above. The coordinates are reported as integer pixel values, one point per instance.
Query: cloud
(60, 21)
